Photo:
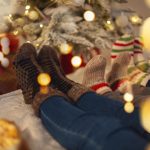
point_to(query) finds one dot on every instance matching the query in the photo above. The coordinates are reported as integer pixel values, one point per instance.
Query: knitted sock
(118, 77)
(139, 59)
(124, 44)
(27, 71)
(138, 77)
(59, 81)
(94, 75)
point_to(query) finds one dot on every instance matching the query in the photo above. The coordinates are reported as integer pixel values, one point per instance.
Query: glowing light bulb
(44, 79)
(135, 19)
(26, 12)
(44, 89)
(76, 61)
(33, 15)
(16, 32)
(65, 48)
(10, 15)
(108, 22)
(41, 25)
(145, 115)
(89, 16)
(37, 45)
(27, 7)
(109, 25)
(128, 97)
(129, 107)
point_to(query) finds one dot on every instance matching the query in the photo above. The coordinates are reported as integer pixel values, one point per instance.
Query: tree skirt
(13, 108)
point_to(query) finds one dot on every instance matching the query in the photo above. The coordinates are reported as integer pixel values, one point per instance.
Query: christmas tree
(73, 27)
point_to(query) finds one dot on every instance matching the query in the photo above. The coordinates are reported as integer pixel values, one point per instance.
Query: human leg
(102, 127)
(78, 94)
(75, 129)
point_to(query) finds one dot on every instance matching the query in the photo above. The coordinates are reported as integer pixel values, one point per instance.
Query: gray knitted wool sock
(94, 75)
(117, 77)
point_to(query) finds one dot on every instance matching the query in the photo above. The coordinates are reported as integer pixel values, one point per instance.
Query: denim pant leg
(103, 106)
(77, 130)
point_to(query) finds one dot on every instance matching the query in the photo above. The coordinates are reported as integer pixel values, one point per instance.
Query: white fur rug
(13, 108)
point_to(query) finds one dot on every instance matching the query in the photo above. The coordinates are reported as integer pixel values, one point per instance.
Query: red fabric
(138, 52)
(121, 44)
(96, 87)
(14, 42)
(65, 61)
(138, 42)
(117, 84)
(1, 70)
(113, 56)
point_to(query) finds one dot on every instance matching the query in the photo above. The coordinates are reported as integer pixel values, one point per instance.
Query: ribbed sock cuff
(101, 88)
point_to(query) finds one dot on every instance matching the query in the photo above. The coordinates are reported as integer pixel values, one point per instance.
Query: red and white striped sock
(94, 75)
(122, 45)
(117, 77)
(139, 59)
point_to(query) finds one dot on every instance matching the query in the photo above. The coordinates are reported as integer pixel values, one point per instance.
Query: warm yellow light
(129, 107)
(27, 7)
(109, 25)
(10, 15)
(65, 48)
(108, 22)
(135, 19)
(26, 12)
(33, 15)
(76, 61)
(9, 135)
(37, 45)
(89, 15)
(145, 115)
(128, 97)
(44, 89)
(44, 79)
(16, 32)
(145, 33)
(41, 25)
(147, 2)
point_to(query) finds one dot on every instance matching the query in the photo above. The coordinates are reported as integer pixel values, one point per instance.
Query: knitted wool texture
(139, 59)
(118, 76)
(126, 44)
(94, 75)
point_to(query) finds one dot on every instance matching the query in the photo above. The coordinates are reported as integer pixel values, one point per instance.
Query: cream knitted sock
(94, 75)
(117, 77)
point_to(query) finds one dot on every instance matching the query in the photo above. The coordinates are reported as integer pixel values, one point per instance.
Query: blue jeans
(102, 106)
(78, 129)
